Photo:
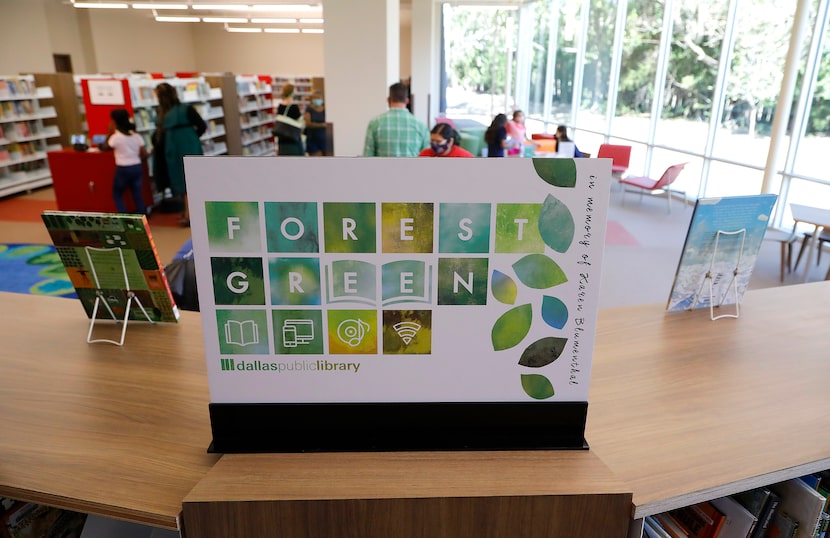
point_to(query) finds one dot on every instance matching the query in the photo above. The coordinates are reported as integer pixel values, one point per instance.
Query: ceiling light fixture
(221, 7)
(284, 7)
(243, 30)
(102, 5)
(177, 19)
(240, 20)
(282, 30)
(160, 6)
(312, 30)
(273, 21)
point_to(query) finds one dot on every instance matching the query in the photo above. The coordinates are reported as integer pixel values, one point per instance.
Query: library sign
(356, 281)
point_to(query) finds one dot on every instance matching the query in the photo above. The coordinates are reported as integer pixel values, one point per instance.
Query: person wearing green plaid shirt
(396, 132)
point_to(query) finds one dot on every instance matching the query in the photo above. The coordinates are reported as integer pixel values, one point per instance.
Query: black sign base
(345, 427)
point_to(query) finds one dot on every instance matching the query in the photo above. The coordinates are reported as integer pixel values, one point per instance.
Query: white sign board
(331, 280)
(106, 92)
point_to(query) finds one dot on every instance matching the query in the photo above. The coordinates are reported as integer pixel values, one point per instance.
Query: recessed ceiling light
(284, 7)
(222, 7)
(177, 19)
(159, 6)
(273, 21)
(241, 20)
(102, 5)
(312, 30)
(243, 30)
(282, 30)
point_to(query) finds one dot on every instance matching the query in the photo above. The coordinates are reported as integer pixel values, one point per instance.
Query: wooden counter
(95, 428)
(553, 494)
(685, 409)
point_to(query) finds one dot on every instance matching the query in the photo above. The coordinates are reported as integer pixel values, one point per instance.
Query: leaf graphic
(554, 312)
(557, 172)
(556, 224)
(504, 289)
(511, 327)
(537, 386)
(543, 352)
(539, 272)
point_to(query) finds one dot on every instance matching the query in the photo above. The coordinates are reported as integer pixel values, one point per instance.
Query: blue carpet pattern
(35, 269)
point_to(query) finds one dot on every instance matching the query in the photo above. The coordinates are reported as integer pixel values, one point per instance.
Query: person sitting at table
(561, 135)
(443, 142)
(517, 133)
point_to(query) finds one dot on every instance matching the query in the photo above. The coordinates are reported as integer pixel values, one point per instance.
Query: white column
(362, 59)
(426, 27)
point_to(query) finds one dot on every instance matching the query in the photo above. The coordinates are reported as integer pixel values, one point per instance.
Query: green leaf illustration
(504, 289)
(537, 386)
(557, 172)
(554, 312)
(543, 352)
(511, 327)
(539, 272)
(556, 224)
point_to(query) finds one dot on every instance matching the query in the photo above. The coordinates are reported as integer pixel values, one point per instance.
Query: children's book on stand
(113, 264)
(722, 244)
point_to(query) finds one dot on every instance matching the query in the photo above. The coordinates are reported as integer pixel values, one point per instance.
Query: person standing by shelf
(180, 127)
(315, 126)
(444, 143)
(130, 151)
(288, 128)
(396, 132)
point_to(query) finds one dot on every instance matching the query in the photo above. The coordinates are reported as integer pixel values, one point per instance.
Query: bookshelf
(255, 105)
(25, 137)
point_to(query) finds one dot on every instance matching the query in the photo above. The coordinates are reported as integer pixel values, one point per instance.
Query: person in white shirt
(130, 151)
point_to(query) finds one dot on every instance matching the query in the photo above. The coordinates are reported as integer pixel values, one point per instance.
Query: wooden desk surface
(683, 408)
(118, 432)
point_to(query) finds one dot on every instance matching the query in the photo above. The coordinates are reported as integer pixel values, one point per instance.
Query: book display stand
(100, 297)
(732, 282)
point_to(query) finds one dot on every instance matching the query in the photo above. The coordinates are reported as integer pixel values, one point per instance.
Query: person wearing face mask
(443, 142)
(315, 125)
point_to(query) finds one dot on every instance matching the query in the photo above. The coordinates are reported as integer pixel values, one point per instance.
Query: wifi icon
(407, 330)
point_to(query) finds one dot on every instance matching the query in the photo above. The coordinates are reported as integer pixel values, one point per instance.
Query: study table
(817, 217)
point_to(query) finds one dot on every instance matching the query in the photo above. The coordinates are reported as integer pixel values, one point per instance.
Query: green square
(294, 281)
(349, 227)
(298, 332)
(462, 281)
(464, 228)
(291, 227)
(238, 281)
(233, 226)
(517, 229)
(407, 228)
(407, 332)
(353, 332)
(242, 332)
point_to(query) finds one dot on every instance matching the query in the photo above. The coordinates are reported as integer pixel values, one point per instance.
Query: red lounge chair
(651, 185)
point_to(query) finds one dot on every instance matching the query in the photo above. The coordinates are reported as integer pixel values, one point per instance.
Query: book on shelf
(802, 503)
(739, 521)
(671, 525)
(762, 502)
(111, 256)
(701, 520)
(783, 526)
(654, 528)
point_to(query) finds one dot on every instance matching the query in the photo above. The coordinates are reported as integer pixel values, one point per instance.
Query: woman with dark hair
(496, 136)
(561, 135)
(443, 142)
(129, 152)
(179, 129)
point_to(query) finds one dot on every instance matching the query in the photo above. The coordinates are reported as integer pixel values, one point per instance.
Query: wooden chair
(646, 184)
(824, 237)
(786, 239)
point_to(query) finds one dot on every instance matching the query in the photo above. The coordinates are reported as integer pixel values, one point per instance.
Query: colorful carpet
(35, 269)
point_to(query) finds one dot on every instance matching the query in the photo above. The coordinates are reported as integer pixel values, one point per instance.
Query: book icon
(297, 332)
(241, 333)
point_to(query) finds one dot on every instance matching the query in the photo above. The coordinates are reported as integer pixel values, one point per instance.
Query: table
(119, 432)
(819, 218)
